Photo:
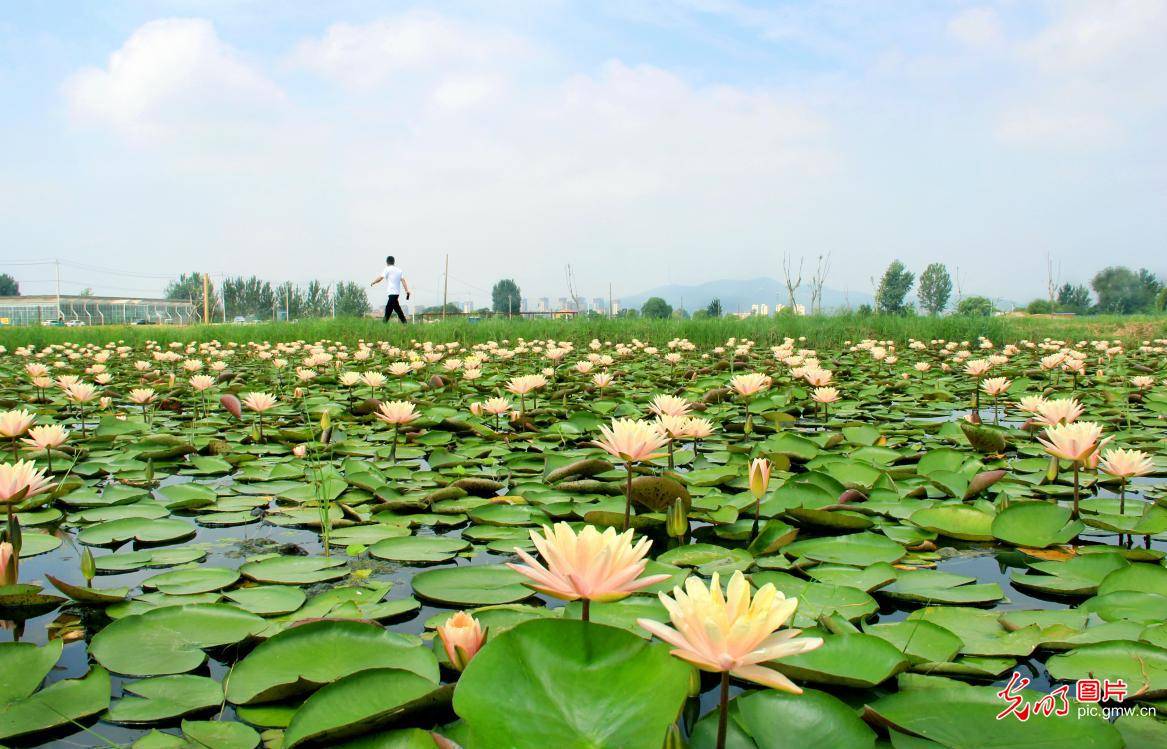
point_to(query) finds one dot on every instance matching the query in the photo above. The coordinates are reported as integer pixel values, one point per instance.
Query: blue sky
(642, 142)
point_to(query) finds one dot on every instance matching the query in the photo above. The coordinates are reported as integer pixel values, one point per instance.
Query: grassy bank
(819, 331)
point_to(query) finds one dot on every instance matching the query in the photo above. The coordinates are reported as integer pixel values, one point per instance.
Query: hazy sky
(643, 141)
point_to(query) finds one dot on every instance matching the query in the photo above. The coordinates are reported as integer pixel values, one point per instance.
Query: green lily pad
(170, 640)
(570, 683)
(295, 570)
(471, 586)
(144, 531)
(964, 717)
(1143, 667)
(165, 698)
(855, 549)
(289, 663)
(419, 549)
(360, 703)
(190, 581)
(764, 719)
(1036, 524)
(851, 660)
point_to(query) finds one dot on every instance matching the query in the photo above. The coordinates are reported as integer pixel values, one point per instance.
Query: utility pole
(445, 285)
(288, 303)
(206, 302)
(610, 312)
(58, 264)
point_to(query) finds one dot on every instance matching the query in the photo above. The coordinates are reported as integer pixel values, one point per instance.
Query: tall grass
(825, 330)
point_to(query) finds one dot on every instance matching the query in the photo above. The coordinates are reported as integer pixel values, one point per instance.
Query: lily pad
(571, 683)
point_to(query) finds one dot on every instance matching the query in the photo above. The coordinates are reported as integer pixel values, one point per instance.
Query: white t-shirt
(392, 277)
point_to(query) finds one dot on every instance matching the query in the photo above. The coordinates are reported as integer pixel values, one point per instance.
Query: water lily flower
(592, 566)
(759, 483)
(259, 402)
(669, 405)
(201, 382)
(749, 384)
(1125, 464)
(396, 413)
(46, 438)
(1076, 442)
(631, 441)
(462, 637)
(732, 635)
(15, 423)
(1058, 411)
(8, 566)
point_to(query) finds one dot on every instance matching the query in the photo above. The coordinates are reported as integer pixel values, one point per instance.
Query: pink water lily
(591, 565)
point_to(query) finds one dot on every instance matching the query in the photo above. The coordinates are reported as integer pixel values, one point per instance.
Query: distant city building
(799, 309)
(760, 310)
(599, 304)
(467, 307)
(564, 303)
(615, 306)
(544, 305)
(524, 305)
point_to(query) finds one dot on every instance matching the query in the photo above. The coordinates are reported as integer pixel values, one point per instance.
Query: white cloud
(1101, 38)
(976, 27)
(373, 53)
(170, 74)
(1051, 126)
(1092, 76)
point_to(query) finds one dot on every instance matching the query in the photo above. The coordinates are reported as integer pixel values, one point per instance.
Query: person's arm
(377, 280)
(405, 285)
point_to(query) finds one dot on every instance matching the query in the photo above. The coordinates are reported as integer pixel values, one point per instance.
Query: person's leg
(400, 312)
(388, 308)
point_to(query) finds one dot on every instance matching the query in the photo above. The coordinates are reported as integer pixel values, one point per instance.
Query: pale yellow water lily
(1074, 441)
(15, 423)
(592, 565)
(669, 405)
(750, 383)
(260, 402)
(21, 480)
(733, 633)
(1123, 463)
(1058, 411)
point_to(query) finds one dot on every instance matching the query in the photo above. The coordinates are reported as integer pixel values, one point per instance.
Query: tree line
(254, 298)
(1117, 291)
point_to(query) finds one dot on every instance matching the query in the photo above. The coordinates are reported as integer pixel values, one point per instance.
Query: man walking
(394, 280)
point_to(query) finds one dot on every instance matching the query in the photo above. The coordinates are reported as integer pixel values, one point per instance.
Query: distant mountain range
(738, 296)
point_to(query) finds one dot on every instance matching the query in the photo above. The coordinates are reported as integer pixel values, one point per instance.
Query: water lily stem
(628, 497)
(587, 610)
(723, 717)
(1077, 467)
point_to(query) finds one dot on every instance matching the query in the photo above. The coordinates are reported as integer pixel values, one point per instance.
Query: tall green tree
(248, 297)
(1122, 291)
(351, 300)
(290, 301)
(893, 289)
(317, 300)
(8, 285)
(188, 287)
(1073, 298)
(935, 288)
(714, 309)
(505, 297)
(656, 308)
(975, 306)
